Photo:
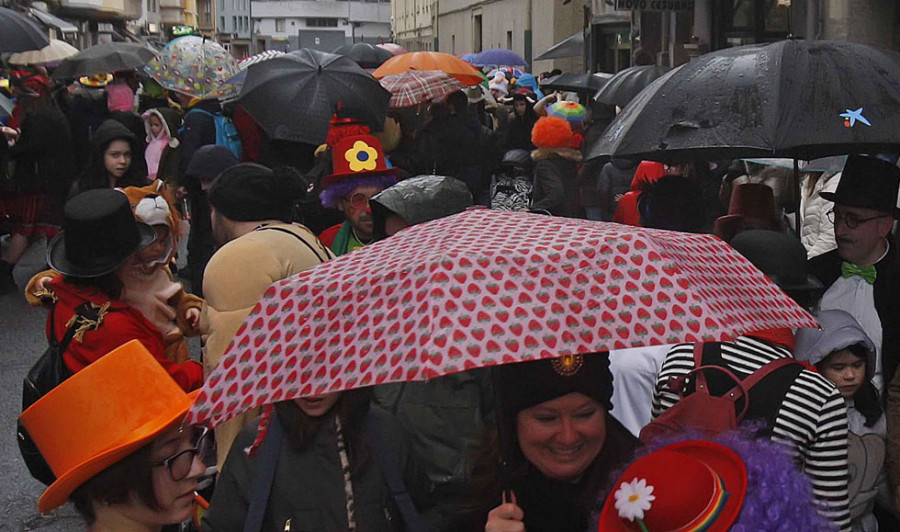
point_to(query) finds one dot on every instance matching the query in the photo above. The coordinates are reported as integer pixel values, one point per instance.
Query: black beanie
(249, 192)
(527, 384)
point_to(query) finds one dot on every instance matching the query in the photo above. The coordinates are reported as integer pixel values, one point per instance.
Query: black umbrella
(366, 55)
(293, 96)
(19, 34)
(627, 83)
(587, 82)
(569, 47)
(103, 58)
(797, 99)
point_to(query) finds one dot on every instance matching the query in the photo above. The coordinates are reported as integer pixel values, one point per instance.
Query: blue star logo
(850, 118)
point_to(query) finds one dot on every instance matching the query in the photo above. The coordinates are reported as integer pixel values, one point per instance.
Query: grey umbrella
(103, 58)
(628, 83)
(570, 47)
(19, 34)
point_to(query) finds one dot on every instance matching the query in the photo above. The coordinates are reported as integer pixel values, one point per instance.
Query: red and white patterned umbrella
(483, 288)
(416, 86)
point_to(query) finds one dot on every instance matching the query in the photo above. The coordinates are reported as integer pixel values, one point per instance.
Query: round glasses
(359, 201)
(180, 463)
(849, 218)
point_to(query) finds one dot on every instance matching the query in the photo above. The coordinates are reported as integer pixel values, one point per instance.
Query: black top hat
(99, 234)
(868, 182)
(781, 257)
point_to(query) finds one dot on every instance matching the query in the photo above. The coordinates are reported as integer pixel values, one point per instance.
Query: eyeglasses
(359, 201)
(850, 219)
(181, 463)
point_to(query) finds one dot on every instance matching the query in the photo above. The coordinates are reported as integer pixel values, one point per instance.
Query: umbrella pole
(797, 195)
(504, 439)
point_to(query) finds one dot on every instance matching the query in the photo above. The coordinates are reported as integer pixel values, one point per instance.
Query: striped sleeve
(678, 363)
(812, 422)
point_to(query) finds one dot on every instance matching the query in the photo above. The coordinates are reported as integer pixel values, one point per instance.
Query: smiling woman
(561, 447)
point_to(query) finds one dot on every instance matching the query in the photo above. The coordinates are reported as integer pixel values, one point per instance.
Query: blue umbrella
(498, 57)
(528, 81)
(467, 57)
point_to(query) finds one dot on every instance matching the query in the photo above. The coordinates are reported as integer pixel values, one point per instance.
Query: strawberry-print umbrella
(416, 86)
(482, 288)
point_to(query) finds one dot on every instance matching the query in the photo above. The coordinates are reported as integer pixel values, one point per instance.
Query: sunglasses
(359, 201)
(180, 463)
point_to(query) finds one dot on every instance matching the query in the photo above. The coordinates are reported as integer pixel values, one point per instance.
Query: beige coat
(234, 280)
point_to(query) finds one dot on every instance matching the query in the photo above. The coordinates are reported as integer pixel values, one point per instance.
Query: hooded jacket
(556, 186)
(95, 174)
(163, 151)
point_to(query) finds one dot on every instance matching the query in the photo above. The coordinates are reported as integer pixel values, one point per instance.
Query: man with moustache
(862, 275)
(360, 172)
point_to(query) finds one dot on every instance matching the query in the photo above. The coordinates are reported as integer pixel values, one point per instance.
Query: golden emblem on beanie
(567, 365)
(361, 157)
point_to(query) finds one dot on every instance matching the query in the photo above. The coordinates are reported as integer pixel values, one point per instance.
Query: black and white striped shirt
(812, 419)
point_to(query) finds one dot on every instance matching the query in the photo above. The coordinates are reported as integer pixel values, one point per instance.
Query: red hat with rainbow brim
(692, 486)
(357, 156)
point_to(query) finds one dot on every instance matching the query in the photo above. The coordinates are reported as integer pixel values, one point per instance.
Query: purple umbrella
(498, 57)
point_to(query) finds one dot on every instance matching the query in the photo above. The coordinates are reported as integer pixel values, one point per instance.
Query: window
(234, 25)
(509, 40)
(279, 24)
(221, 23)
(321, 22)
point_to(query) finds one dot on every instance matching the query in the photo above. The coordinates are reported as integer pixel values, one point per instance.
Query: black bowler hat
(781, 257)
(868, 182)
(99, 234)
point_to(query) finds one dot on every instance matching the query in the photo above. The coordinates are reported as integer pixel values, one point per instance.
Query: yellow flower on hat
(361, 157)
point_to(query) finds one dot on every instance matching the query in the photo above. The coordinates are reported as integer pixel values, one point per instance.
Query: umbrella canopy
(416, 86)
(627, 83)
(797, 99)
(19, 34)
(56, 51)
(195, 66)
(366, 55)
(247, 62)
(570, 47)
(103, 58)
(467, 57)
(293, 96)
(458, 293)
(393, 48)
(450, 64)
(498, 57)
(572, 112)
(587, 82)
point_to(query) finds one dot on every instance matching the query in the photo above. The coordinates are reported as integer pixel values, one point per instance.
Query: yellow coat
(235, 278)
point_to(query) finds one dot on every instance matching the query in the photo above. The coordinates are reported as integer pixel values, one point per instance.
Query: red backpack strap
(743, 388)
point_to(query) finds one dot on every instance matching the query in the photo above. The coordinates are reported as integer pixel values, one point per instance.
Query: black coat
(43, 156)
(556, 184)
(827, 268)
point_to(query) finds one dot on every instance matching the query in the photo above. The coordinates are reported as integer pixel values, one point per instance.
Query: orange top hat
(689, 486)
(356, 156)
(102, 414)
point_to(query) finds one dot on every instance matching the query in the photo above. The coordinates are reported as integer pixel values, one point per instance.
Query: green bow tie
(867, 273)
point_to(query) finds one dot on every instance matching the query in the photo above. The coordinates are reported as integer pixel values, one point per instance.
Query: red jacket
(120, 324)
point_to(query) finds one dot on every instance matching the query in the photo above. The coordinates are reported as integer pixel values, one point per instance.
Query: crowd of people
(122, 182)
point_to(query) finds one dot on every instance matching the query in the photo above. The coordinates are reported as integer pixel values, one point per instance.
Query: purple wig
(779, 495)
(340, 190)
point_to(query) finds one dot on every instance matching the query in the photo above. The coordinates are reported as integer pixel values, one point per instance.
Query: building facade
(321, 25)
(673, 31)
(234, 26)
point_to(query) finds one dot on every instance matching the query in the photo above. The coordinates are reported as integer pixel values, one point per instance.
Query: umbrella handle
(504, 439)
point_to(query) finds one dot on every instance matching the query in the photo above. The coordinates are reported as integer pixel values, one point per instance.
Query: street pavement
(22, 341)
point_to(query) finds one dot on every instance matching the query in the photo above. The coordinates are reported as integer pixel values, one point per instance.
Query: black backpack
(45, 375)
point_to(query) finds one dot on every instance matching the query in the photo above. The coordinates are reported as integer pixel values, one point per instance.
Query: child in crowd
(161, 154)
(845, 355)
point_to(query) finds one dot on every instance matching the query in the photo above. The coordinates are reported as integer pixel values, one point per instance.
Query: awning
(571, 47)
(53, 21)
